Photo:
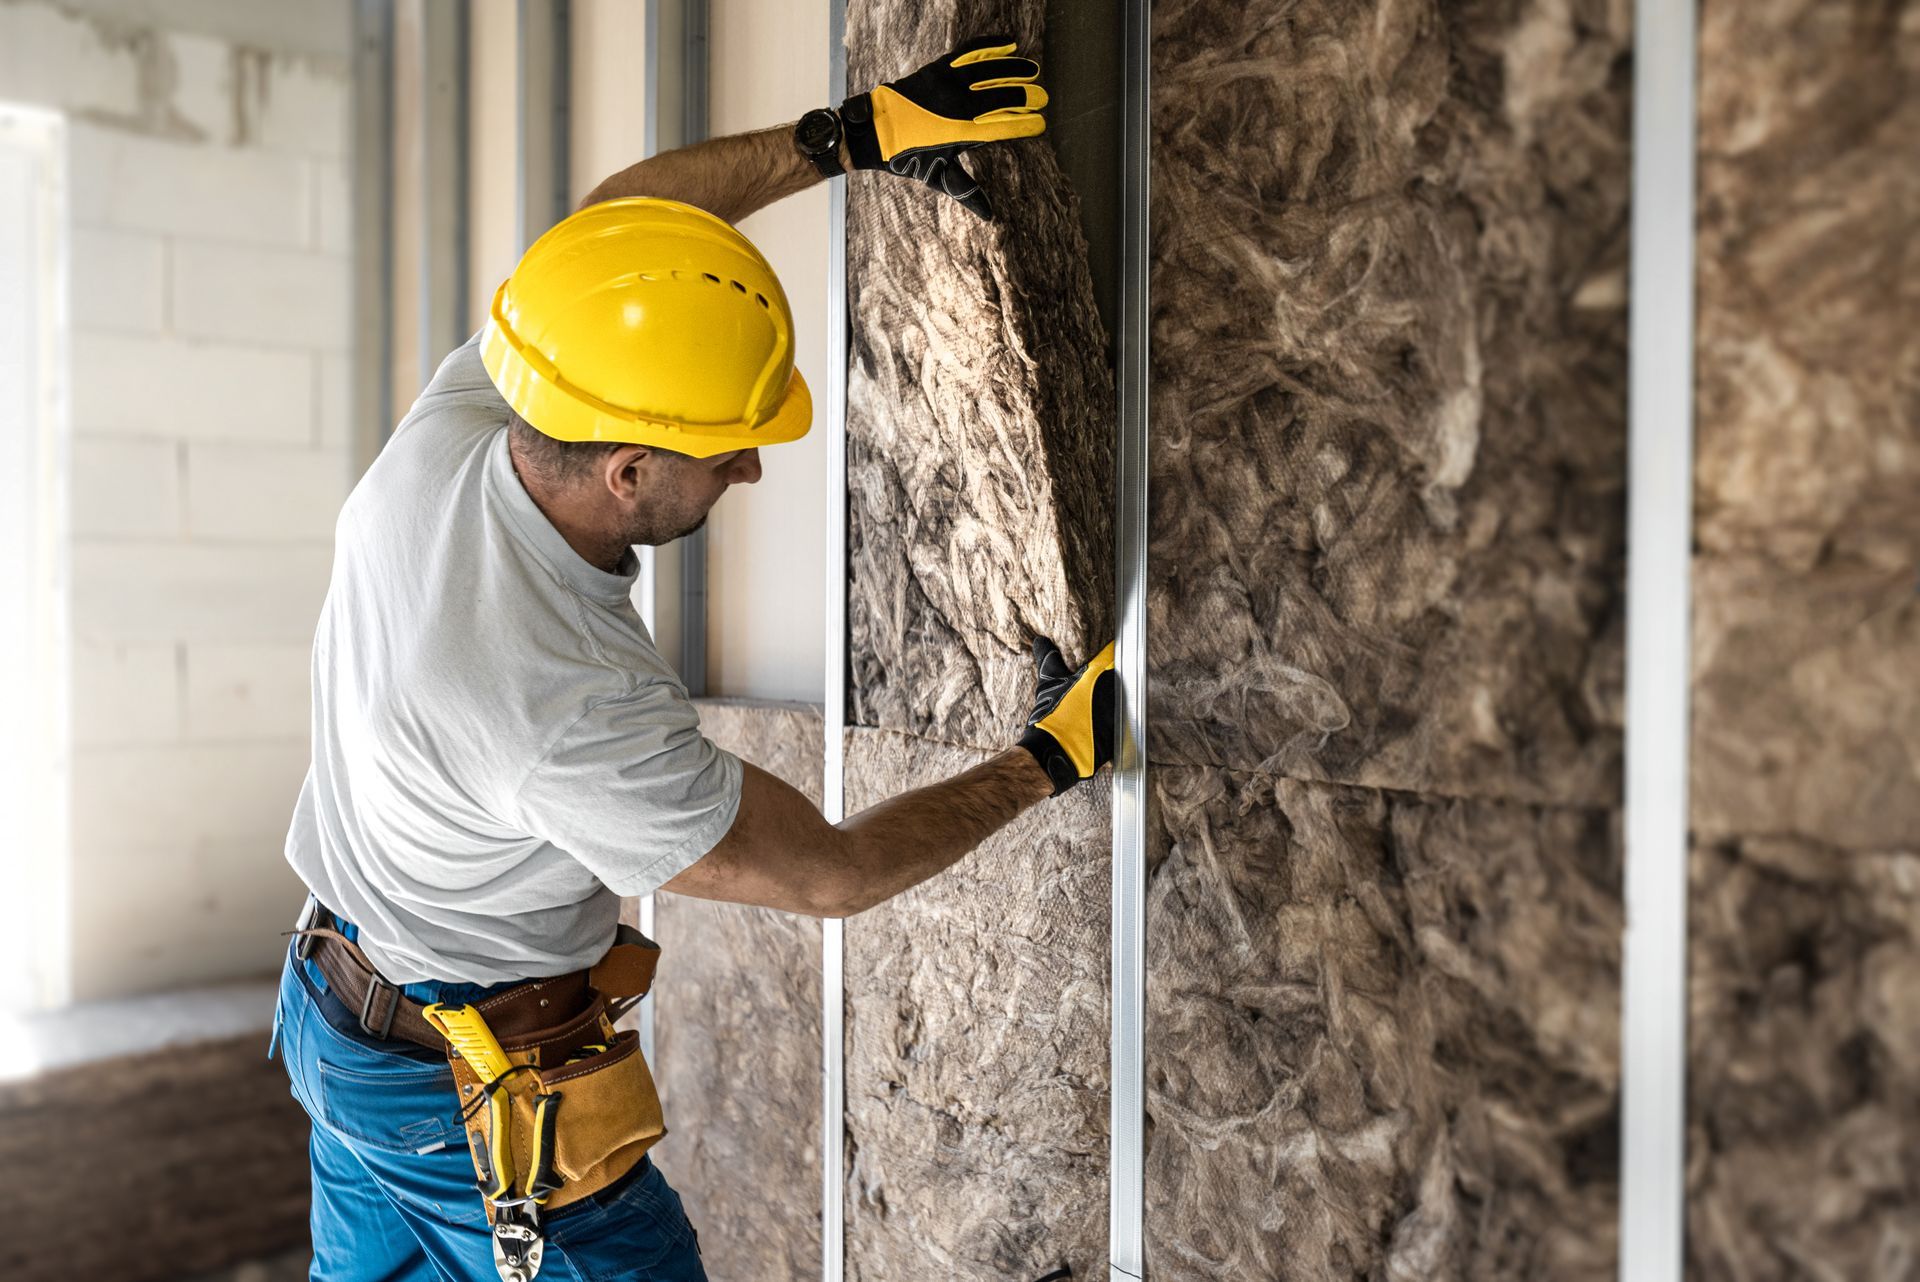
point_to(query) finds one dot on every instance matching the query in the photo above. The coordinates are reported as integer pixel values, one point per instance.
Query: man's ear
(624, 470)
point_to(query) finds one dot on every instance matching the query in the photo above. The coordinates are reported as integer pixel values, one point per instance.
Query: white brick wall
(54, 59)
(177, 796)
(125, 489)
(178, 388)
(248, 691)
(118, 280)
(125, 693)
(229, 194)
(208, 200)
(262, 493)
(147, 590)
(275, 297)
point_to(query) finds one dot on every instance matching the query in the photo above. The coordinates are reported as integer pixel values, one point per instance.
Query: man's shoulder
(458, 402)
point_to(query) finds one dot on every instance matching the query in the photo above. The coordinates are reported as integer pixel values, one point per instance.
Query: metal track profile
(1653, 1058)
(693, 547)
(443, 201)
(372, 196)
(665, 127)
(833, 986)
(543, 117)
(1126, 1170)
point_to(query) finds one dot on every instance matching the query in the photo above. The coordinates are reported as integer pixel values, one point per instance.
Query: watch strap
(826, 163)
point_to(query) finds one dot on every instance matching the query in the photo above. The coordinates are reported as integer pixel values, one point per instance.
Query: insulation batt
(1383, 1034)
(737, 1034)
(980, 477)
(977, 1043)
(980, 418)
(1388, 392)
(1804, 1073)
(1386, 574)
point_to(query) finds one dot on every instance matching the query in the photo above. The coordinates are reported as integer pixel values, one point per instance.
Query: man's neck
(570, 517)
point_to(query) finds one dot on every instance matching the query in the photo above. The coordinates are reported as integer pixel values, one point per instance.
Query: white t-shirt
(499, 751)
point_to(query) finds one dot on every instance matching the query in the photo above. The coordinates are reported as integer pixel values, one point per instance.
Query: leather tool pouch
(580, 1105)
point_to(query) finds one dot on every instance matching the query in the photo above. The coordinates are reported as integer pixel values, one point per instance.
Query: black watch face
(817, 132)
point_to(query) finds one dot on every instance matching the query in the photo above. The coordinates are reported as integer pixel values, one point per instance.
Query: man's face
(671, 494)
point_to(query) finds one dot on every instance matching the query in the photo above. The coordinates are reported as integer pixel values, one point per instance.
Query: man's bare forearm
(906, 839)
(730, 177)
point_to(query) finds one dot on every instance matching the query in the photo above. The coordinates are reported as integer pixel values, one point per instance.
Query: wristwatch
(818, 138)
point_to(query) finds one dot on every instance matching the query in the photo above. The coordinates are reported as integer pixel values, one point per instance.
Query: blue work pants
(394, 1197)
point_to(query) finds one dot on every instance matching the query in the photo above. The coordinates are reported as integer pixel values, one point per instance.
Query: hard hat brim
(556, 408)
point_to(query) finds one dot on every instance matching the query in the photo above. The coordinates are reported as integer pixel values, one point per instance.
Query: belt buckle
(310, 914)
(374, 985)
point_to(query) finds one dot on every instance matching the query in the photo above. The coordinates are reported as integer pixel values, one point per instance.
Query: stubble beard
(656, 531)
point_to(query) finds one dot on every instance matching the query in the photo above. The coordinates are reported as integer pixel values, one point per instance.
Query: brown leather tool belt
(535, 1007)
(388, 1014)
(557, 1103)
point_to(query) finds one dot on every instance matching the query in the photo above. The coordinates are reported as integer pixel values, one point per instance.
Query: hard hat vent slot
(738, 288)
(763, 300)
(710, 276)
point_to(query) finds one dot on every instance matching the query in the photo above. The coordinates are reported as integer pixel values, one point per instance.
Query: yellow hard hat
(651, 322)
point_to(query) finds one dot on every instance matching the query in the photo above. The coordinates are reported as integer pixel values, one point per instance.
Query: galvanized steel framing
(372, 227)
(445, 25)
(543, 116)
(1126, 1169)
(833, 1099)
(693, 547)
(1653, 1056)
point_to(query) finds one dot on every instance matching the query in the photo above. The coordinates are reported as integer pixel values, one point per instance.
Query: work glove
(1070, 730)
(918, 126)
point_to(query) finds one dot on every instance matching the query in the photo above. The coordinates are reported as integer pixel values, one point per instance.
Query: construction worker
(500, 753)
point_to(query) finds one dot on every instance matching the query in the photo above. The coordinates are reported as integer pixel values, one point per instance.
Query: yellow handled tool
(467, 1032)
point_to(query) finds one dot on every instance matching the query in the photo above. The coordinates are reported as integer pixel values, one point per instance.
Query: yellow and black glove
(1070, 731)
(918, 126)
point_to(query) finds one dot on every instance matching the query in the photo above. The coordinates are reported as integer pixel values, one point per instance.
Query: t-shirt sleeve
(633, 790)
(458, 401)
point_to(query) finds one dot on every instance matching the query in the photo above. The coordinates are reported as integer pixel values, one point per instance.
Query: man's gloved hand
(918, 126)
(1070, 731)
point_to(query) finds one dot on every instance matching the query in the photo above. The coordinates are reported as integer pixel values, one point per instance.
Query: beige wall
(208, 284)
(767, 551)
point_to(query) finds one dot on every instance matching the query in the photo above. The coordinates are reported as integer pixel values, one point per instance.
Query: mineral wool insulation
(1804, 1077)
(1385, 583)
(737, 1038)
(1386, 571)
(980, 412)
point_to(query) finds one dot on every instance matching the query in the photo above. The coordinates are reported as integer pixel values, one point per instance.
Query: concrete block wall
(207, 208)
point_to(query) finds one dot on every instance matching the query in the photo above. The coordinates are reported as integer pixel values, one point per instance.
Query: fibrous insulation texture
(1804, 1073)
(737, 1038)
(979, 456)
(977, 1044)
(1387, 404)
(980, 417)
(1384, 633)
